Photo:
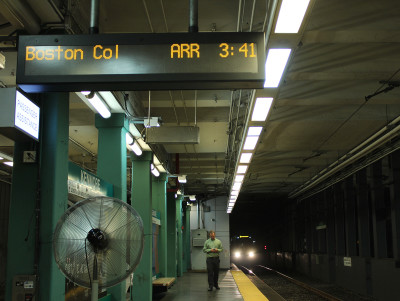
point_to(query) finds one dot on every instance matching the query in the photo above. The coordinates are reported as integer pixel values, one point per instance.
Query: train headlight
(237, 254)
(251, 254)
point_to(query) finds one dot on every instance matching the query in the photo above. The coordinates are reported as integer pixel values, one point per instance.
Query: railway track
(293, 288)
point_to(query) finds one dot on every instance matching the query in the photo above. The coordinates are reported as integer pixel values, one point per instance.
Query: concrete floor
(194, 287)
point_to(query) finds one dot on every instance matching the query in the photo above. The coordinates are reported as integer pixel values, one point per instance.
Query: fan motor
(97, 239)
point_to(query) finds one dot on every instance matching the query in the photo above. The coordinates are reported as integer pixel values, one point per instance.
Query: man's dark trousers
(213, 270)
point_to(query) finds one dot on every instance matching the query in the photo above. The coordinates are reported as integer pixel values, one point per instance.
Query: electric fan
(98, 242)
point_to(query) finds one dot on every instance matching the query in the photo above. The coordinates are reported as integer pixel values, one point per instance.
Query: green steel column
(179, 236)
(54, 189)
(20, 255)
(184, 240)
(142, 202)
(111, 166)
(160, 204)
(187, 241)
(171, 235)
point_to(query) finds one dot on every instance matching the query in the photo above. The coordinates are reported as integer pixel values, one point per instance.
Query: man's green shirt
(212, 244)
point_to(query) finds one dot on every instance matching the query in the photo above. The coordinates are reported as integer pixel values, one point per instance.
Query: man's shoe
(210, 288)
(217, 287)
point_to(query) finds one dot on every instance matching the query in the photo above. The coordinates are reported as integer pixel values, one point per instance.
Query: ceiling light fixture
(291, 15)
(245, 157)
(136, 148)
(154, 170)
(98, 103)
(239, 178)
(182, 179)
(261, 108)
(275, 65)
(242, 169)
(252, 137)
(237, 186)
(9, 163)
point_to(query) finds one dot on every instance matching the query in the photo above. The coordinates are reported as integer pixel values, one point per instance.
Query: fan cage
(78, 258)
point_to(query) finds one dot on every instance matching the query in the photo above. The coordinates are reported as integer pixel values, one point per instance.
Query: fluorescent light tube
(254, 131)
(250, 143)
(100, 106)
(136, 148)
(182, 179)
(291, 16)
(234, 192)
(154, 170)
(274, 66)
(245, 157)
(242, 169)
(236, 186)
(129, 138)
(261, 108)
(9, 163)
(239, 178)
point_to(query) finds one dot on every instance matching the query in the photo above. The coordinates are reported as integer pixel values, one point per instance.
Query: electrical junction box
(199, 237)
(29, 157)
(24, 287)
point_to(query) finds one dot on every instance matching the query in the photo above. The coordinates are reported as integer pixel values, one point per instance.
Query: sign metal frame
(48, 71)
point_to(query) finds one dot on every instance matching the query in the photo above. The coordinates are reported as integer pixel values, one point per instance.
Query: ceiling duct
(20, 15)
(173, 135)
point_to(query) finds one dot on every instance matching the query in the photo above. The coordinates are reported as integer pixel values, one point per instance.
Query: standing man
(212, 247)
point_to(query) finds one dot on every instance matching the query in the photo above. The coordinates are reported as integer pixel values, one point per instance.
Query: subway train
(245, 250)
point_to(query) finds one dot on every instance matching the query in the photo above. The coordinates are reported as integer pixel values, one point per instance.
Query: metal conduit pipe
(21, 15)
(194, 16)
(239, 14)
(270, 17)
(94, 17)
(351, 156)
(227, 157)
(198, 214)
(252, 15)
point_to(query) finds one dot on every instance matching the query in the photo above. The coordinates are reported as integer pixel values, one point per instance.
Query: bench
(162, 284)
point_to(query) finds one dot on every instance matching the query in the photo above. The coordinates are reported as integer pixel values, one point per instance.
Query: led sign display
(141, 61)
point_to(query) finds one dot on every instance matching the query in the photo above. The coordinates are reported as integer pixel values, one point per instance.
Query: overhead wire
(354, 113)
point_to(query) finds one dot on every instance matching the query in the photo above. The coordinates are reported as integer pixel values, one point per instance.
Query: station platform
(193, 286)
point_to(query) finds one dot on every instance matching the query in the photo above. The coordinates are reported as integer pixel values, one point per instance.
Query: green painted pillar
(20, 253)
(160, 205)
(187, 242)
(179, 250)
(171, 235)
(142, 202)
(54, 189)
(111, 166)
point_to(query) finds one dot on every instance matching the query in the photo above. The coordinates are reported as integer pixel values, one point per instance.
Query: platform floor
(193, 286)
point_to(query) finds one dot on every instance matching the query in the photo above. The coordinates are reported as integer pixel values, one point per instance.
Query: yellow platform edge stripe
(248, 290)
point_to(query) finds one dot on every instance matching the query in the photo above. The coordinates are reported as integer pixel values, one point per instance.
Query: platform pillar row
(171, 235)
(179, 236)
(160, 205)
(142, 202)
(111, 166)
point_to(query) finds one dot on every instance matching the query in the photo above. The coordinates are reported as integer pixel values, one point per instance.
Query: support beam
(172, 237)
(160, 205)
(111, 166)
(142, 202)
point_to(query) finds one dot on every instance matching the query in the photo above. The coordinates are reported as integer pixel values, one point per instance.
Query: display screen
(181, 61)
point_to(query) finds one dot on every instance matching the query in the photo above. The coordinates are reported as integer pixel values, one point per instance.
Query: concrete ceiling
(343, 52)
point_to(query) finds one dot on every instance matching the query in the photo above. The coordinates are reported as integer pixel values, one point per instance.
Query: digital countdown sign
(170, 61)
